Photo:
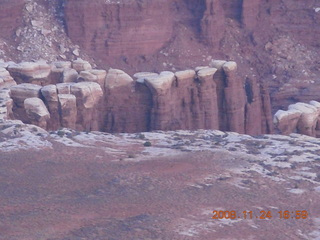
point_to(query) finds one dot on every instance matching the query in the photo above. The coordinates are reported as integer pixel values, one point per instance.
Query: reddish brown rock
(235, 98)
(113, 29)
(188, 105)
(208, 98)
(68, 110)
(127, 104)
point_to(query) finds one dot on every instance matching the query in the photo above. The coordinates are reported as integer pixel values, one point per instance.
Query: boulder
(81, 65)
(140, 76)
(36, 111)
(317, 105)
(50, 93)
(87, 76)
(286, 121)
(100, 76)
(160, 84)
(69, 75)
(30, 72)
(308, 120)
(6, 81)
(186, 74)
(6, 105)
(116, 78)
(62, 64)
(88, 92)
(22, 91)
(206, 74)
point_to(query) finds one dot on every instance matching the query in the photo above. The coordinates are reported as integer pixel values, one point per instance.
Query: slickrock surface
(73, 185)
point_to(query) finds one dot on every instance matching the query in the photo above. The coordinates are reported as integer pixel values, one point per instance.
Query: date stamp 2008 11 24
(299, 214)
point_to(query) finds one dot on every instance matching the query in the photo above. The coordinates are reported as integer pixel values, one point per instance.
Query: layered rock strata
(76, 96)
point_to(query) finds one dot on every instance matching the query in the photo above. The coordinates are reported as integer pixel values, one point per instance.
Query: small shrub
(60, 133)
(141, 136)
(131, 156)
(147, 144)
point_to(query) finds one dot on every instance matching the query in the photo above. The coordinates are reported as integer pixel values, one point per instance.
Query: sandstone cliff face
(273, 42)
(114, 29)
(212, 97)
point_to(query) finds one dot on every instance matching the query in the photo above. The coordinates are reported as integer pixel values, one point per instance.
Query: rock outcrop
(88, 96)
(30, 72)
(88, 99)
(6, 81)
(68, 110)
(36, 112)
(300, 117)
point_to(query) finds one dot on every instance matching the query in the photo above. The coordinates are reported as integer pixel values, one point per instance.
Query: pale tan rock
(6, 105)
(197, 69)
(28, 71)
(206, 73)
(81, 65)
(64, 88)
(160, 83)
(140, 76)
(6, 81)
(101, 76)
(286, 121)
(217, 64)
(69, 75)
(22, 91)
(88, 95)
(68, 110)
(186, 74)
(229, 67)
(50, 93)
(308, 119)
(86, 76)
(62, 64)
(117, 78)
(36, 111)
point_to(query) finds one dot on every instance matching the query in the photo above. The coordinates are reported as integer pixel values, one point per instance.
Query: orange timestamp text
(301, 214)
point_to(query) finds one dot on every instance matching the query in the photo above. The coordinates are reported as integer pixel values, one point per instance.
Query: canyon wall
(11, 17)
(74, 95)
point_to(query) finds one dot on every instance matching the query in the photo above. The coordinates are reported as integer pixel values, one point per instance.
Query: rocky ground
(156, 185)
